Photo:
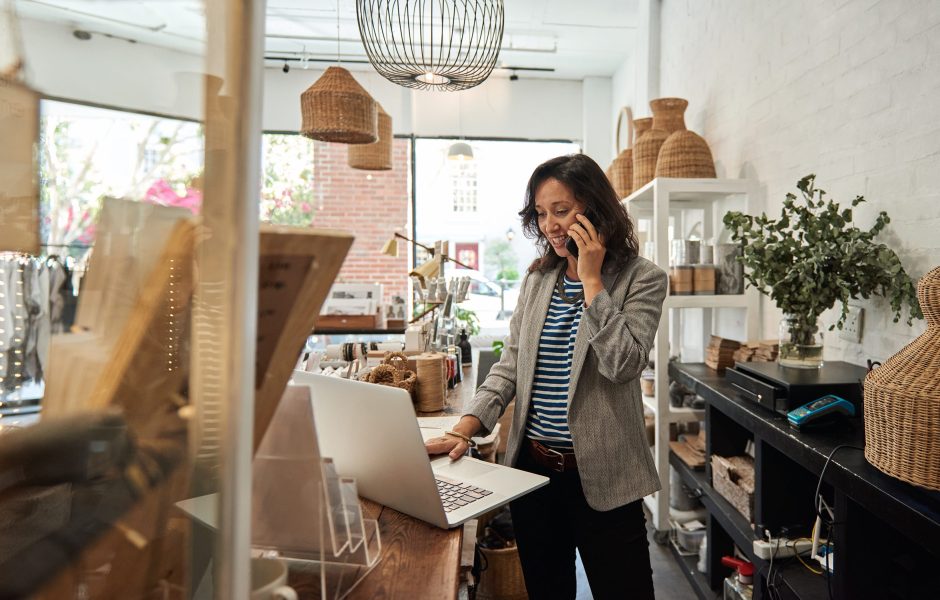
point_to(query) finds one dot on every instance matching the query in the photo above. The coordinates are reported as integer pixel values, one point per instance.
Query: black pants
(552, 521)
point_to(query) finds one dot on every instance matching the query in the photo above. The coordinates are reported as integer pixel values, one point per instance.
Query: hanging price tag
(19, 192)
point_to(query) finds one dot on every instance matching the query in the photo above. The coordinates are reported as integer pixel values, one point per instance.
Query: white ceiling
(569, 39)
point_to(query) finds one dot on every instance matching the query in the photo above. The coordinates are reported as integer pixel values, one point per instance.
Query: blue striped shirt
(548, 412)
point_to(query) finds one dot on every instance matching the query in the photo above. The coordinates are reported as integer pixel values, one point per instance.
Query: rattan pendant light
(337, 109)
(445, 45)
(377, 156)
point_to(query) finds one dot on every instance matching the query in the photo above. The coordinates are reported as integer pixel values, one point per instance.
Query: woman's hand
(591, 252)
(453, 446)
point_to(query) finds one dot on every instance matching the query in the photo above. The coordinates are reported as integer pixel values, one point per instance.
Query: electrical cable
(822, 474)
(800, 558)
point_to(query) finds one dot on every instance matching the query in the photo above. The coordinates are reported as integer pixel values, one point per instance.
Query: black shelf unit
(883, 526)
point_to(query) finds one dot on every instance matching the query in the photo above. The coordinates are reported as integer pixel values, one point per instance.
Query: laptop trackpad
(461, 469)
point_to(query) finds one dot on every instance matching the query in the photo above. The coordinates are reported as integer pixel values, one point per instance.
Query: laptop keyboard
(456, 494)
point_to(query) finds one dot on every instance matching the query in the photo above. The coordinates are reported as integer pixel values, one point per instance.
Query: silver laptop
(371, 433)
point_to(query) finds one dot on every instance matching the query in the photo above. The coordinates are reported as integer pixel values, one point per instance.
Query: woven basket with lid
(667, 117)
(337, 109)
(377, 156)
(902, 402)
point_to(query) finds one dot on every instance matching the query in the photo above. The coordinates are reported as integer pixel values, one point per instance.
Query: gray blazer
(605, 409)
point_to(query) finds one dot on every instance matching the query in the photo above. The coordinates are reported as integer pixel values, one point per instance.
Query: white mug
(269, 580)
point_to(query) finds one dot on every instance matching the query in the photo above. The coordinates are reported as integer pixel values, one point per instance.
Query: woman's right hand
(454, 446)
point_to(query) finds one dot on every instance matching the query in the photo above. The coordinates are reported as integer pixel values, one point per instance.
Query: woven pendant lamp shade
(667, 117)
(337, 109)
(902, 401)
(377, 156)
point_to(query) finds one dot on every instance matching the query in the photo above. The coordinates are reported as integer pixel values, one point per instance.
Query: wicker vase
(337, 109)
(902, 402)
(667, 117)
(377, 156)
(685, 154)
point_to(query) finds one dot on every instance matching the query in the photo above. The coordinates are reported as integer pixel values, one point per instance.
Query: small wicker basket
(902, 402)
(685, 154)
(393, 372)
(502, 578)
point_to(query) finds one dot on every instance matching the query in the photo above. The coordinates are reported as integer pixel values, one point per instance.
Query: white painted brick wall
(849, 90)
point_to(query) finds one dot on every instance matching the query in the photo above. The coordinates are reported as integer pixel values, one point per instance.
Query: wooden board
(296, 270)
(19, 193)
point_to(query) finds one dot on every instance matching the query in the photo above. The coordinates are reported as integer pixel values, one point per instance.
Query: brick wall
(371, 205)
(844, 89)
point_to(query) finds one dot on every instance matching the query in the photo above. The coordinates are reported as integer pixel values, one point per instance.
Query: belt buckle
(558, 456)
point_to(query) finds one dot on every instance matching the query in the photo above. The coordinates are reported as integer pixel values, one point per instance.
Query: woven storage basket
(377, 156)
(337, 109)
(902, 402)
(394, 372)
(667, 117)
(502, 579)
(685, 154)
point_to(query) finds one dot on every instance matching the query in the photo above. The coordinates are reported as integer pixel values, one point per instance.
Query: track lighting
(286, 68)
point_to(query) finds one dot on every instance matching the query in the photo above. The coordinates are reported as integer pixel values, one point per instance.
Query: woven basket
(902, 402)
(394, 372)
(337, 109)
(621, 169)
(645, 154)
(502, 579)
(685, 154)
(377, 156)
(668, 113)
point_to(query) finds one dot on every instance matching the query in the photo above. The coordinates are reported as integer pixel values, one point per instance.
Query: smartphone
(571, 245)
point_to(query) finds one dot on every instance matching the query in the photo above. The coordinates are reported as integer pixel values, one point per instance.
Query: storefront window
(473, 204)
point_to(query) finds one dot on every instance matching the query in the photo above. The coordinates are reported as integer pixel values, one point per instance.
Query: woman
(579, 338)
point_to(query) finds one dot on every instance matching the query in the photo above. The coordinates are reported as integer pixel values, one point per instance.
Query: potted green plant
(812, 257)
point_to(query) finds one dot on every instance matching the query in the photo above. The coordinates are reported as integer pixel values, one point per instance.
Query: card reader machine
(818, 411)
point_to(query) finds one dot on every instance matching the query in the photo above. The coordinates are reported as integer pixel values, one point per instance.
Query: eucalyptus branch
(813, 256)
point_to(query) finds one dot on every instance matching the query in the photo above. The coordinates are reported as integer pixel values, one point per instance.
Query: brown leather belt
(549, 458)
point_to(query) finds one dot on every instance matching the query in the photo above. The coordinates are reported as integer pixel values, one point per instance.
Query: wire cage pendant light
(446, 45)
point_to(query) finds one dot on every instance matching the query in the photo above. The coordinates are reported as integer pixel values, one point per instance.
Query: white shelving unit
(681, 202)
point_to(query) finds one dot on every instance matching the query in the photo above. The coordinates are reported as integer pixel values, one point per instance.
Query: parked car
(493, 303)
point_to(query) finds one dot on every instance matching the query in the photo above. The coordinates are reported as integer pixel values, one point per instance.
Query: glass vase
(801, 343)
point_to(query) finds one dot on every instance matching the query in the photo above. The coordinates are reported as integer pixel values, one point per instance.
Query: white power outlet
(852, 328)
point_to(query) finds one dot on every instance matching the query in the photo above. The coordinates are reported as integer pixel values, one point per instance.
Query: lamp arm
(431, 251)
(419, 244)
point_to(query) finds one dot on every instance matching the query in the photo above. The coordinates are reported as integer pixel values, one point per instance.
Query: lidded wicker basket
(337, 109)
(377, 156)
(667, 117)
(393, 372)
(902, 402)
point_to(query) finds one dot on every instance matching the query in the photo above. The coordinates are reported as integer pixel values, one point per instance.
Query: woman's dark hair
(590, 186)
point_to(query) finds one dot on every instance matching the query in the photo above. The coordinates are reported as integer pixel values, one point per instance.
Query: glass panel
(473, 205)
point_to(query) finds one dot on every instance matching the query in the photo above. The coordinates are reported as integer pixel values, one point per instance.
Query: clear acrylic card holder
(306, 513)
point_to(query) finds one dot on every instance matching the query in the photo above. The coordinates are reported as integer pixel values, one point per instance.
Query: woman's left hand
(591, 249)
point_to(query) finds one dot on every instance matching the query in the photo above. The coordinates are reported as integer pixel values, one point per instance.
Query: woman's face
(556, 208)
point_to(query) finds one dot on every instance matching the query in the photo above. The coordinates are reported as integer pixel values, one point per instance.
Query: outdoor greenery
(813, 256)
(501, 258)
(470, 321)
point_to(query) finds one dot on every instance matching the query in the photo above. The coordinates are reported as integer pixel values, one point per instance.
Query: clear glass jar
(801, 343)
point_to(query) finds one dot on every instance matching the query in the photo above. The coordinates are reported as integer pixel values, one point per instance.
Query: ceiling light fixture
(446, 45)
(460, 151)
